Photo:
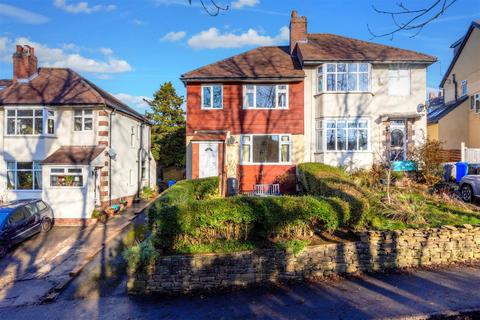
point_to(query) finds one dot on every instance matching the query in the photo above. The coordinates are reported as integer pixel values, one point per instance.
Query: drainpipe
(110, 157)
(455, 84)
(139, 160)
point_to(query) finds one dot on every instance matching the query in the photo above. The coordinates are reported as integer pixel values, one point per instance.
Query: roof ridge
(228, 58)
(374, 43)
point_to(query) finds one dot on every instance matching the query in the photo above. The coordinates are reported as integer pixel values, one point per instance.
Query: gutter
(139, 161)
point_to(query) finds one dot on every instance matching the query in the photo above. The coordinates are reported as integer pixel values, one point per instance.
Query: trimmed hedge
(326, 181)
(179, 218)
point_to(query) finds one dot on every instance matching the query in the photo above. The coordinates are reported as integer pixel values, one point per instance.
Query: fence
(470, 155)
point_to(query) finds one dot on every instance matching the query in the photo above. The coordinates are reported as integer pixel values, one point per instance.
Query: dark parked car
(22, 219)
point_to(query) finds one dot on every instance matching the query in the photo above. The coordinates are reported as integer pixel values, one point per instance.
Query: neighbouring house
(68, 142)
(324, 98)
(458, 119)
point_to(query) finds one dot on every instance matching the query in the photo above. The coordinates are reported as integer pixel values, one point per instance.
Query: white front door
(208, 165)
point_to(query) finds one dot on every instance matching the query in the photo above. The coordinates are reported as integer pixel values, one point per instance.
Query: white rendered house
(68, 142)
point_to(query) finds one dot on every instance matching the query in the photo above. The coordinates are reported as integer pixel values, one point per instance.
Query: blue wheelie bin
(462, 170)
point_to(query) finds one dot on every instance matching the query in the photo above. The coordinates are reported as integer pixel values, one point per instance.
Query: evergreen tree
(168, 131)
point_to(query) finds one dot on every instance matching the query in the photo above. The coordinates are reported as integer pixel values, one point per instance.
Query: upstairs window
(265, 96)
(343, 77)
(398, 81)
(212, 96)
(30, 121)
(464, 88)
(83, 120)
(475, 103)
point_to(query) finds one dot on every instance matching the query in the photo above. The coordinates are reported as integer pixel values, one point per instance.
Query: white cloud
(174, 36)
(133, 101)
(244, 3)
(82, 7)
(64, 58)
(214, 39)
(22, 15)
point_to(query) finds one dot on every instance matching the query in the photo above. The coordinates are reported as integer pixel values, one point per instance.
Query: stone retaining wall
(374, 251)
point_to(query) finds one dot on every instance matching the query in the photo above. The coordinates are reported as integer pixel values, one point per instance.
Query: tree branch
(412, 20)
(211, 7)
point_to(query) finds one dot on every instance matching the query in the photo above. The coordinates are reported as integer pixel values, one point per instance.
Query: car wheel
(466, 192)
(46, 225)
(3, 250)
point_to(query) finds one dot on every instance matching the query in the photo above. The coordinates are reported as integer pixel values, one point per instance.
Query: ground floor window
(269, 148)
(66, 177)
(24, 175)
(342, 134)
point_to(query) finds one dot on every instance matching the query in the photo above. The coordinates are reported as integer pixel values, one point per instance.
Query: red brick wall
(235, 119)
(250, 175)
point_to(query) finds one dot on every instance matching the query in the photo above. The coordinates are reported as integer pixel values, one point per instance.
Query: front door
(398, 141)
(208, 164)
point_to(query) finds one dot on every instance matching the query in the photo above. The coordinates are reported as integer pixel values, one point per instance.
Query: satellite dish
(420, 108)
(111, 153)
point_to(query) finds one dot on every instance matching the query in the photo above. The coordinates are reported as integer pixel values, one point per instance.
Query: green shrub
(140, 256)
(242, 218)
(326, 181)
(147, 193)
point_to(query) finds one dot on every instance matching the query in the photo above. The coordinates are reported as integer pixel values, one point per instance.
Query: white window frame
(475, 103)
(45, 118)
(280, 143)
(66, 172)
(33, 171)
(464, 88)
(322, 73)
(82, 117)
(133, 137)
(398, 69)
(321, 146)
(211, 107)
(253, 90)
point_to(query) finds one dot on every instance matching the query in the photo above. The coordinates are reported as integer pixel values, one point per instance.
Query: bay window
(265, 96)
(30, 121)
(212, 96)
(24, 175)
(83, 120)
(270, 148)
(66, 177)
(343, 77)
(342, 135)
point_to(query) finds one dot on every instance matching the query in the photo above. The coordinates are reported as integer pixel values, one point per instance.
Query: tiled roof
(262, 62)
(74, 155)
(441, 111)
(330, 47)
(473, 25)
(60, 86)
(5, 83)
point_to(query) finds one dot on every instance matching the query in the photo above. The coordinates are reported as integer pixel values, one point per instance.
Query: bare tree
(406, 19)
(211, 6)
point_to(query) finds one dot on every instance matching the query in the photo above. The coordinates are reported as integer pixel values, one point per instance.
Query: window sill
(30, 136)
(344, 92)
(24, 190)
(267, 164)
(276, 109)
(343, 151)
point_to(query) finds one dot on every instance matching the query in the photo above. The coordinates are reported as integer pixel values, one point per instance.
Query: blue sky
(130, 47)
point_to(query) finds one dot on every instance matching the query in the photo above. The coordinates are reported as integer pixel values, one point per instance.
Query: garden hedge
(322, 180)
(179, 217)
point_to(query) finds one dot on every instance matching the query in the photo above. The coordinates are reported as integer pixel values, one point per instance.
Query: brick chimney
(298, 30)
(24, 63)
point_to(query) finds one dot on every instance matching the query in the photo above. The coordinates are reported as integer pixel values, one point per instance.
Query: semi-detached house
(68, 142)
(324, 98)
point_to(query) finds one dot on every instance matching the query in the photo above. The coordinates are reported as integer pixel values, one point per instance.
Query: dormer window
(343, 77)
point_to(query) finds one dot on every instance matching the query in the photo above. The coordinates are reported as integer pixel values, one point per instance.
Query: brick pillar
(103, 140)
(386, 143)
(409, 135)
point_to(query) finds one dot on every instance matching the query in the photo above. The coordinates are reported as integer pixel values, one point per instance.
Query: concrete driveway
(43, 265)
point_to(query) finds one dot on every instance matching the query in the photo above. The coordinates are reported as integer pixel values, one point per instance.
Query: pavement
(414, 295)
(40, 268)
